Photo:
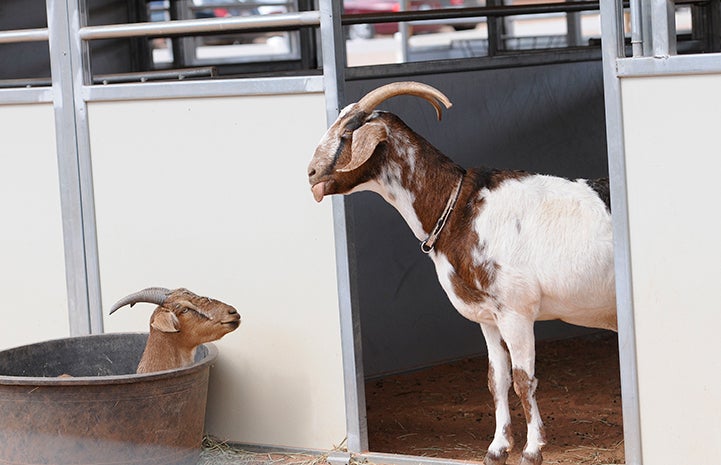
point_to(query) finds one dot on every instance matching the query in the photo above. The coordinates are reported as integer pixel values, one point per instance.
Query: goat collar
(427, 245)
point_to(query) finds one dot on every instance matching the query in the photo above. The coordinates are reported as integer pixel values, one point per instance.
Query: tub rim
(205, 362)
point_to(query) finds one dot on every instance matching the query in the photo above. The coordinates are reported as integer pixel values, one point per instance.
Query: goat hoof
(528, 458)
(496, 458)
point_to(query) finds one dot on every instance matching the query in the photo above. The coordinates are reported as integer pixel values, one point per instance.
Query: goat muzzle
(232, 323)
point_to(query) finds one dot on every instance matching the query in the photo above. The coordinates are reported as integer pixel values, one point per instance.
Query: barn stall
(126, 165)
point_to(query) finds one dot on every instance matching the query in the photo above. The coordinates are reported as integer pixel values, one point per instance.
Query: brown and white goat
(509, 247)
(181, 322)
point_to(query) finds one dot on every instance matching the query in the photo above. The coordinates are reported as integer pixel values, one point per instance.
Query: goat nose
(311, 172)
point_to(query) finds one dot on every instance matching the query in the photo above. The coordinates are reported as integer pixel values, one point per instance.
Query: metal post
(495, 30)
(636, 28)
(404, 31)
(183, 47)
(70, 70)
(613, 49)
(574, 33)
(334, 60)
(663, 28)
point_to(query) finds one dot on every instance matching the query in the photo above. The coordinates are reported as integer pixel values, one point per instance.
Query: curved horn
(151, 295)
(375, 97)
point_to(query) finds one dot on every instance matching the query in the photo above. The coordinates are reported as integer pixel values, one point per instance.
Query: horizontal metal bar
(166, 74)
(481, 12)
(29, 82)
(23, 96)
(24, 35)
(505, 60)
(236, 6)
(475, 12)
(707, 63)
(204, 88)
(399, 459)
(194, 26)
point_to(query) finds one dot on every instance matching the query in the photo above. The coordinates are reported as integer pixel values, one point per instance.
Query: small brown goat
(181, 322)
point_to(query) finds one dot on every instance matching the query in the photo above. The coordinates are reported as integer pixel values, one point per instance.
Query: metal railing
(472, 12)
(297, 20)
(24, 35)
(279, 21)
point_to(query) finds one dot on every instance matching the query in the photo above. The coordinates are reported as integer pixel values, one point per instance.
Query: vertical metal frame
(663, 23)
(614, 49)
(70, 70)
(636, 28)
(653, 28)
(496, 26)
(334, 60)
(82, 78)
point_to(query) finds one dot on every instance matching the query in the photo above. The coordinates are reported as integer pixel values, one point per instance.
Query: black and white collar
(427, 245)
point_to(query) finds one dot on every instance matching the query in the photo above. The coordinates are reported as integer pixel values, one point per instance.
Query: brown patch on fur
(496, 459)
(531, 459)
(525, 388)
(459, 241)
(523, 385)
(504, 345)
(508, 434)
(491, 384)
(342, 182)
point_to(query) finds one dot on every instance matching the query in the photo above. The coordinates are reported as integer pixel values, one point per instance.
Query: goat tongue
(318, 191)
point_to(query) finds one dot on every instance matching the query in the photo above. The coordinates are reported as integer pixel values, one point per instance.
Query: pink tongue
(318, 191)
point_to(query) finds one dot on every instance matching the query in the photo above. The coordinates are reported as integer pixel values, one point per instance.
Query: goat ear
(166, 322)
(365, 140)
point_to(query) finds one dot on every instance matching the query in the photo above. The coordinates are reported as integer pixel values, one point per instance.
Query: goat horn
(151, 295)
(375, 97)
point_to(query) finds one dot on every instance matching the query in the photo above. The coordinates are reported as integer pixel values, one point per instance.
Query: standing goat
(181, 322)
(509, 247)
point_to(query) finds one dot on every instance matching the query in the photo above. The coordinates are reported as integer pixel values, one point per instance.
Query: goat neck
(415, 178)
(164, 351)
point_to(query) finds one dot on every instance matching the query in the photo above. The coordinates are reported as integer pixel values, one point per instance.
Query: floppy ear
(365, 140)
(166, 322)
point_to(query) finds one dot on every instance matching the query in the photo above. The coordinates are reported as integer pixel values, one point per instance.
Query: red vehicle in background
(367, 31)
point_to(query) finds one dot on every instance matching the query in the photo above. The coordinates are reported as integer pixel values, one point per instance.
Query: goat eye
(185, 310)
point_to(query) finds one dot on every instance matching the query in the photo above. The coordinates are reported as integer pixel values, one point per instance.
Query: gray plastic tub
(104, 413)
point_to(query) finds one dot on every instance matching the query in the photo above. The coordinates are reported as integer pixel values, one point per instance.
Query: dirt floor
(447, 411)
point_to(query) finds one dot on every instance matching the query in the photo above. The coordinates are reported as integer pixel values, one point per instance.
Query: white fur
(552, 241)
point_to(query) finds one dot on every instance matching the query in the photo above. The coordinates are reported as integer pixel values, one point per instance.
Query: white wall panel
(32, 265)
(671, 129)
(211, 194)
